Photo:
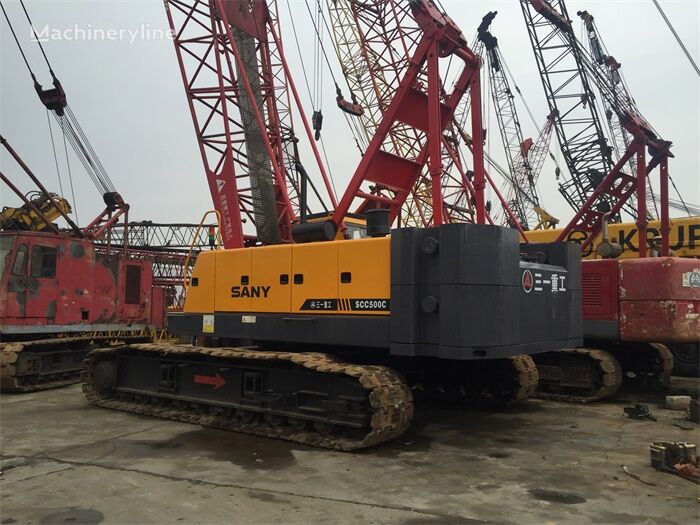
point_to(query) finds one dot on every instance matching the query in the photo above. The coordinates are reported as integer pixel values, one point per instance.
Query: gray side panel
(360, 331)
(457, 293)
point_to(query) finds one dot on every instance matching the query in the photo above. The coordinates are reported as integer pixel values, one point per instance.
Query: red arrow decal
(216, 380)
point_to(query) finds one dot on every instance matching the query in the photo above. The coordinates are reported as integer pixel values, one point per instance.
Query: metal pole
(641, 201)
(434, 132)
(665, 228)
(478, 149)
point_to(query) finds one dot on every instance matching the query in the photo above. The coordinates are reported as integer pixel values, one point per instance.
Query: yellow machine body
(346, 277)
(684, 237)
(25, 218)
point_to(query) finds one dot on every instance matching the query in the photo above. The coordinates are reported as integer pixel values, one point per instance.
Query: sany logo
(527, 281)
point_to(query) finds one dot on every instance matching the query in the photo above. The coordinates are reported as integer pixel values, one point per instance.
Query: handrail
(219, 243)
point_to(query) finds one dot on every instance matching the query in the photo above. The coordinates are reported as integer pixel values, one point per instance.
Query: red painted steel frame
(208, 58)
(621, 186)
(441, 38)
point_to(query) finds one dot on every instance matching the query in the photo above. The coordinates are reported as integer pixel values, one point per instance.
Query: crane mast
(375, 42)
(554, 41)
(571, 98)
(238, 87)
(419, 111)
(607, 66)
(521, 193)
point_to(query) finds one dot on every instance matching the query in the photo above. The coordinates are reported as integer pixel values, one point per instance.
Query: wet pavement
(65, 461)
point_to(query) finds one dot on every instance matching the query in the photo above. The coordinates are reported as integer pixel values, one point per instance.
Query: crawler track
(41, 364)
(601, 378)
(389, 400)
(527, 378)
(664, 363)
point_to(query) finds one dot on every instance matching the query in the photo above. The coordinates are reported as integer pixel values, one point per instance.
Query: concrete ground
(64, 461)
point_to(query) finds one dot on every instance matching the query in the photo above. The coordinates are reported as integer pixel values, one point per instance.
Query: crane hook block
(54, 99)
(349, 107)
(317, 122)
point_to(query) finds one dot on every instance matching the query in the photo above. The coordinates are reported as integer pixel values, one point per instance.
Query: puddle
(553, 496)
(73, 516)
(246, 451)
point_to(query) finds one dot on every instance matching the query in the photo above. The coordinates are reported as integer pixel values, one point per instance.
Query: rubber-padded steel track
(607, 383)
(390, 399)
(11, 355)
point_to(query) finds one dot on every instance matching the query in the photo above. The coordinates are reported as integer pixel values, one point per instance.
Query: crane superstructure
(373, 43)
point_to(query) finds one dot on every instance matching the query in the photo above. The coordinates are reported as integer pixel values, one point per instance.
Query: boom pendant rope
(54, 99)
(36, 37)
(12, 30)
(678, 38)
(55, 157)
(70, 176)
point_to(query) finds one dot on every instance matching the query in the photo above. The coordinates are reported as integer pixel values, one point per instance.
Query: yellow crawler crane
(315, 329)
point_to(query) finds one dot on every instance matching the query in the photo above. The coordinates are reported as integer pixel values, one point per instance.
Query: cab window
(355, 231)
(44, 261)
(20, 266)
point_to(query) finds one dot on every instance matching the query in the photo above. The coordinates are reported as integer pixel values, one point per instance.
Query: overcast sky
(129, 97)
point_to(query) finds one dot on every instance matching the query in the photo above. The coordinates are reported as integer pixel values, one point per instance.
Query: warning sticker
(208, 324)
(692, 279)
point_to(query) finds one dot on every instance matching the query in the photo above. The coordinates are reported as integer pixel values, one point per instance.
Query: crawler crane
(301, 332)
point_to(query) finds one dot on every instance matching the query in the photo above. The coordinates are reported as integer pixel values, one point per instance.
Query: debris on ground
(678, 458)
(678, 402)
(669, 496)
(638, 478)
(639, 411)
(694, 411)
(683, 424)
